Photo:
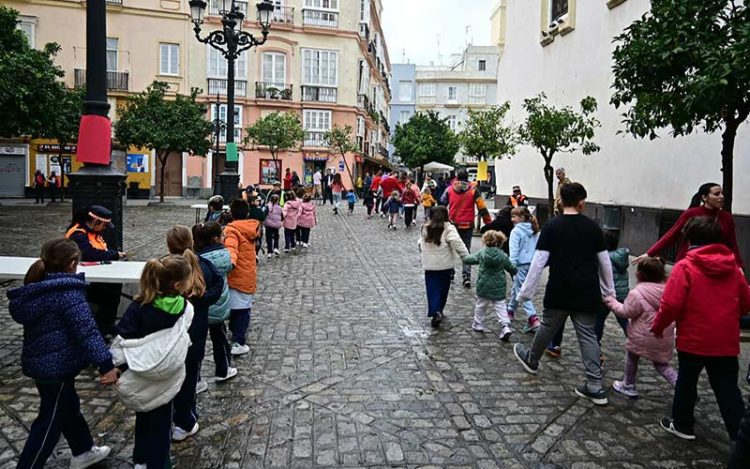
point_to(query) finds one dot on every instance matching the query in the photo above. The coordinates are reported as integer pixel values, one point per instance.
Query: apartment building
(404, 101)
(564, 48)
(470, 82)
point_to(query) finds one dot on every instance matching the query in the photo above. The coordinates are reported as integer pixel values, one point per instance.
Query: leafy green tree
(424, 138)
(29, 80)
(685, 65)
(340, 141)
(554, 130)
(485, 136)
(65, 118)
(280, 131)
(167, 126)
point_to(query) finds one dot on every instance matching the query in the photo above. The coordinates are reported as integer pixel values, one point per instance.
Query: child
(493, 263)
(580, 275)
(392, 207)
(410, 201)
(439, 245)
(351, 197)
(307, 219)
(369, 202)
(620, 259)
(156, 361)
(300, 194)
(240, 237)
(216, 211)
(207, 285)
(705, 295)
(207, 237)
(52, 304)
(522, 245)
(291, 214)
(274, 221)
(640, 307)
(428, 201)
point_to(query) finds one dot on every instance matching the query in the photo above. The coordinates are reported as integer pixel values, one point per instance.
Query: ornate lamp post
(231, 41)
(219, 126)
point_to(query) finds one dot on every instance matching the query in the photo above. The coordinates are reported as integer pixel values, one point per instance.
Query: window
(269, 171)
(557, 9)
(217, 65)
(112, 45)
(27, 24)
(364, 11)
(452, 123)
(452, 94)
(427, 89)
(477, 93)
(322, 4)
(223, 117)
(169, 61)
(360, 126)
(482, 65)
(274, 69)
(319, 67)
(405, 91)
(316, 123)
(404, 117)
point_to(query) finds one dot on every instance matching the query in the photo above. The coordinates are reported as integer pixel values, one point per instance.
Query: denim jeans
(438, 285)
(337, 199)
(239, 321)
(518, 279)
(153, 433)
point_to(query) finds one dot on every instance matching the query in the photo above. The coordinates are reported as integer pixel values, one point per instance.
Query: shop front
(12, 170)
(313, 163)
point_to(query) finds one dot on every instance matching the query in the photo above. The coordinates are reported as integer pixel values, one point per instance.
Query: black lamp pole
(219, 125)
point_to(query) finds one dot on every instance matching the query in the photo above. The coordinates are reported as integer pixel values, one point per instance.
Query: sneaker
(597, 397)
(511, 314)
(238, 349)
(553, 351)
(270, 256)
(477, 327)
(523, 356)
(231, 373)
(202, 386)
(532, 325)
(140, 466)
(90, 457)
(505, 334)
(626, 389)
(178, 434)
(467, 282)
(276, 251)
(668, 425)
(436, 320)
(286, 251)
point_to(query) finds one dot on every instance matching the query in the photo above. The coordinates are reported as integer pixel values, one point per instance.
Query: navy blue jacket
(88, 252)
(199, 327)
(141, 320)
(60, 336)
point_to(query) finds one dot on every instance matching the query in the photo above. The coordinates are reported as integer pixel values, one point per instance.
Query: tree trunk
(548, 174)
(163, 160)
(346, 165)
(727, 162)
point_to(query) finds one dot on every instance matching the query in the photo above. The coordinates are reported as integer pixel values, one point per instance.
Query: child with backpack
(392, 207)
(274, 221)
(291, 214)
(522, 246)
(307, 219)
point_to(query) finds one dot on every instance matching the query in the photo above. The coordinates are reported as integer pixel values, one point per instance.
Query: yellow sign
(482, 171)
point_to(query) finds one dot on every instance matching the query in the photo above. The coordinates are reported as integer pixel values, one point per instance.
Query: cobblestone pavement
(346, 372)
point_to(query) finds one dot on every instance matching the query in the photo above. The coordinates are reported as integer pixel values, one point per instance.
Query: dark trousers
(185, 410)
(305, 234)
(105, 300)
(351, 207)
(438, 285)
(222, 357)
(741, 452)
(39, 193)
(272, 239)
(327, 195)
(298, 235)
(466, 235)
(601, 319)
(53, 193)
(722, 376)
(369, 209)
(153, 431)
(239, 321)
(409, 215)
(289, 240)
(378, 204)
(59, 413)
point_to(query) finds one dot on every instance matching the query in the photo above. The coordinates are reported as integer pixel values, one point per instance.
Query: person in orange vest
(104, 298)
(517, 199)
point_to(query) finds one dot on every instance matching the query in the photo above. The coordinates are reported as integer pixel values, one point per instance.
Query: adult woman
(707, 202)
(337, 187)
(39, 181)
(295, 180)
(288, 179)
(53, 183)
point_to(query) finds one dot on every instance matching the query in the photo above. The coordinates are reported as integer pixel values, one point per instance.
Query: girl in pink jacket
(307, 220)
(291, 214)
(640, 308)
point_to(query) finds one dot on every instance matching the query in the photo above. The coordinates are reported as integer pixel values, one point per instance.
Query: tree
(339, 140)
(29, 80)
(164, 125)
(424, 138)
(551, 130)
(279, 132)
(685, 65)
(484, 136)
(65, 118)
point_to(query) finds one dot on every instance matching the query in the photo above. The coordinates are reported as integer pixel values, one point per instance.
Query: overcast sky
(413, 26)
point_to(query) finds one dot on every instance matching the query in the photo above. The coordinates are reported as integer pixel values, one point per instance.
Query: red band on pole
(94, 140)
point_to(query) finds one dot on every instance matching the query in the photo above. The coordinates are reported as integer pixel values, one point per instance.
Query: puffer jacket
(239, 239)
(493, 263)
(522, 243)
(444, 256)
(219, 256)
(640, 308)
(60, 336)
(291, 214)
(620, 259)
(307, 215)
(274, 217)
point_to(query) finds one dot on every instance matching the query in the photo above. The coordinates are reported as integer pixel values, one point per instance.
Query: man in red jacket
(461, 198)
(706, 294)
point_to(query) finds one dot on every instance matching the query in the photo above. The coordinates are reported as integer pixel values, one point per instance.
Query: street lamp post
(219, 125)
(231, 41)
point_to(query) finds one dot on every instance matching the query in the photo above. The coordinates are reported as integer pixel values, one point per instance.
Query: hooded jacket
(219, 257)
(306, 217)
(239, 239)
(493, 263)
(291, 214)
(522, 244)
(274, 216)
(620, 259)
(461, 197)
(60, 336)
(640, 308)
(705, 295)
(409, 198)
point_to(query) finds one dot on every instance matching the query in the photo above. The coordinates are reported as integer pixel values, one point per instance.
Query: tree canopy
(340, 140)
(64, 122)
(685, 65)
(485, 135)
(279, 131)
(425, 138)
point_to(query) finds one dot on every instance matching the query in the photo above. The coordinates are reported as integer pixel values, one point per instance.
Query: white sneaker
(140, 466)
(276, 251)
(626, 389)
(90, 457)
(505, 334)
(231, 373)
(202, 386)
(178, 434)
(270, 256)
(477, 327)
(238, 349)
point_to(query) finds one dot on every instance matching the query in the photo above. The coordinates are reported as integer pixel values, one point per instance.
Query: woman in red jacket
(705, 296)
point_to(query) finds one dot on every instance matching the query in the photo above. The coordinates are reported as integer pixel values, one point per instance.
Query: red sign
(95, 140)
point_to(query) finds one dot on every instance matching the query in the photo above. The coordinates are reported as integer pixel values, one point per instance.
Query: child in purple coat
(273, 222)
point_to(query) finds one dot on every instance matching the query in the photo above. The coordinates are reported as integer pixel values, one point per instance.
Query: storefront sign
(315, 157)
(137, 163)
(12, 151)
(55, 148)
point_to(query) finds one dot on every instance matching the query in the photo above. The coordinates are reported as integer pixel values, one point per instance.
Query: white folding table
(13, 268)
(199, 207)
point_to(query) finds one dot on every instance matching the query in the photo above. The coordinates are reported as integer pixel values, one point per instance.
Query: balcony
(213, 7)
(220, 86)
(116, 81)
(320, 18)
(265, 90)
(319, 94)
(315, 138)
(383, 151)
(363, 102)
(385, 123)
(113, 2)
(364, 31)
(283, 15)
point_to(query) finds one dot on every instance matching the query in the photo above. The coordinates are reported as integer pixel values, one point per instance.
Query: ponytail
(197, 282)
(180, 241)
(525, 213)
(161, 276)
(56, 256)
(703, 191)
(153, 271)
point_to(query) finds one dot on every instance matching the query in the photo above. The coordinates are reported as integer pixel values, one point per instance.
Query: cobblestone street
(344, 371)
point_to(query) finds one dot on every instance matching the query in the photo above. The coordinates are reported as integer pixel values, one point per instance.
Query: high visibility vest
(95, 239)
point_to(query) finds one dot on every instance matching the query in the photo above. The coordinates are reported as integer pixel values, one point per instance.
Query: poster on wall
(54, 165)
(41, 164)
(268, 171)
(137, 163)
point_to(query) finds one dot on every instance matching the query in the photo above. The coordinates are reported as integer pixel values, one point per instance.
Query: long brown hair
(161, 276)
(180, 241)
(56, 256)
(525, 213)
(433, 230)
(205, 233)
